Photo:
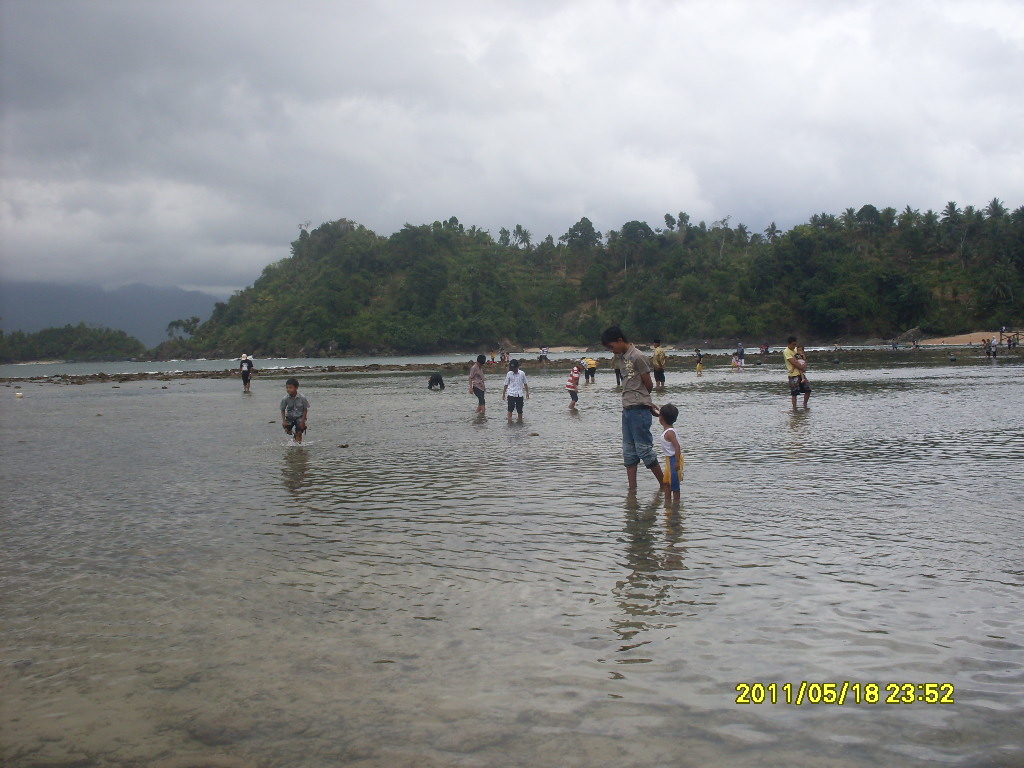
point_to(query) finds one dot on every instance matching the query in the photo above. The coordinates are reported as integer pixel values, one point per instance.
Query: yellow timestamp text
(844, 692)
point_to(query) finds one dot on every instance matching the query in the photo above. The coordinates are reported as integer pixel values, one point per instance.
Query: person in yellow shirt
(795, 372)
(589, 369)
(658, 361)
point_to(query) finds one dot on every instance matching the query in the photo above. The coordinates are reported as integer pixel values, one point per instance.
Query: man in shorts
(245, 367)
(795, 372)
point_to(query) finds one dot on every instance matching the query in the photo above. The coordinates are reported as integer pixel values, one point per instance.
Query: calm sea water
(417, 586)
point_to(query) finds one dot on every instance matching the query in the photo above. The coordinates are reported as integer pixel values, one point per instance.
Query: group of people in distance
(639, 377)
(991, 346)
(515, 391)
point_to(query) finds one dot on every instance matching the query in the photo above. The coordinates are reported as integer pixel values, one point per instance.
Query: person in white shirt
(515, 389)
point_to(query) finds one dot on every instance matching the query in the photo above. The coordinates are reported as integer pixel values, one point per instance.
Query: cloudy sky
(183, 143)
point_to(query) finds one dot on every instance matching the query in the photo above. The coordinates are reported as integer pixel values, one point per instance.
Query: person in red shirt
(573, 385)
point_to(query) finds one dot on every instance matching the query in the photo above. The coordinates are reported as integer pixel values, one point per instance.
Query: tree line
(865, 272)
(72, 342)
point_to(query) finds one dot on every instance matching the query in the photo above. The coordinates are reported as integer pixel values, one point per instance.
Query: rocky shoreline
(821, 360)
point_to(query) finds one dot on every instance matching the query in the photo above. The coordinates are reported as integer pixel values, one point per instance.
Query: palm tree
(955, 228)
(995, 209)
(909, 217)
(522, 237)
(951, 213)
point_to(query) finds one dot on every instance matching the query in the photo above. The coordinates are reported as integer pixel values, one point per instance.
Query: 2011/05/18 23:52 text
(844, 692)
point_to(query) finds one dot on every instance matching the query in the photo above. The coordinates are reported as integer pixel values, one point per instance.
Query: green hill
(72, 342)
(863, 273)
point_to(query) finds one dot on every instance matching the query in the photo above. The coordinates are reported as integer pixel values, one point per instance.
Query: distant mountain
(142, 311)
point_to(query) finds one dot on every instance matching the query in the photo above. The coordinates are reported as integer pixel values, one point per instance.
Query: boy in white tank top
(673, 451)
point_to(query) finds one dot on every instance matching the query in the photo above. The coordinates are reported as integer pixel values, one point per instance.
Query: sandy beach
(976, 337)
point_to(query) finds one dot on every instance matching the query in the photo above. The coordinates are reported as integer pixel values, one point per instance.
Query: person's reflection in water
(799, 421)
(644, 593)
(296, 470)
(673, 518)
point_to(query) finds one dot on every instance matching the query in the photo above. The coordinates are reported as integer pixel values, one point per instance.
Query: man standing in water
(245, 368)
(659, 361)
(794, 371)
(476, 382)
(637, 407)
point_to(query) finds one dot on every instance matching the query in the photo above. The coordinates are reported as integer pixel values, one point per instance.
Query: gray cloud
(182, 143)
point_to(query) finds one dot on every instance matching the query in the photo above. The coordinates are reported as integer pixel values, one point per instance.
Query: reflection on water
(296, 470)
(653, 551)
(419, 585)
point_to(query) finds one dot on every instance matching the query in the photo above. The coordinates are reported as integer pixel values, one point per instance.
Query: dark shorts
(590, 372)
(796, 386)
(246, 376)
(543, 358)
(479, 394)
(659, 375)
(515, 404)
(574, 395)
(292, 427)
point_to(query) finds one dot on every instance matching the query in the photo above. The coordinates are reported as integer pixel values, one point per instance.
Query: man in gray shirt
(637, 407)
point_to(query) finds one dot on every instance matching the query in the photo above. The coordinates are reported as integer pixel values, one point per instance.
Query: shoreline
(932, 351)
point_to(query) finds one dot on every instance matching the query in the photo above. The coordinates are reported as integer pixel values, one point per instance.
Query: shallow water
(183, 587)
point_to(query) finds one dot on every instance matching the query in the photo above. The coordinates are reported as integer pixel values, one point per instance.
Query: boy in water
(515, 388)
(700, 361)
(573, 387)
(637, 407)
(294, 409)
(673, 452)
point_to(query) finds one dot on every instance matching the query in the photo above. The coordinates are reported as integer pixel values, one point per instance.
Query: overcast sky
(183, 143)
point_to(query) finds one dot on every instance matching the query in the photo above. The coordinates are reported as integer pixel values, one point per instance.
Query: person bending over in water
(436, 380)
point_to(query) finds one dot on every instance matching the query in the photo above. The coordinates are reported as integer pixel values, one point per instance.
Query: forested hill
(72, 342)
(862, 273)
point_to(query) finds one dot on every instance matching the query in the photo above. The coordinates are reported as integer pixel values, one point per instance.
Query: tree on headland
(72, 342)
(178, 329)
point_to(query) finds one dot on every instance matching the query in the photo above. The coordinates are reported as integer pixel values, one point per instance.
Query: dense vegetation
(864, 273)
(72, 342)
